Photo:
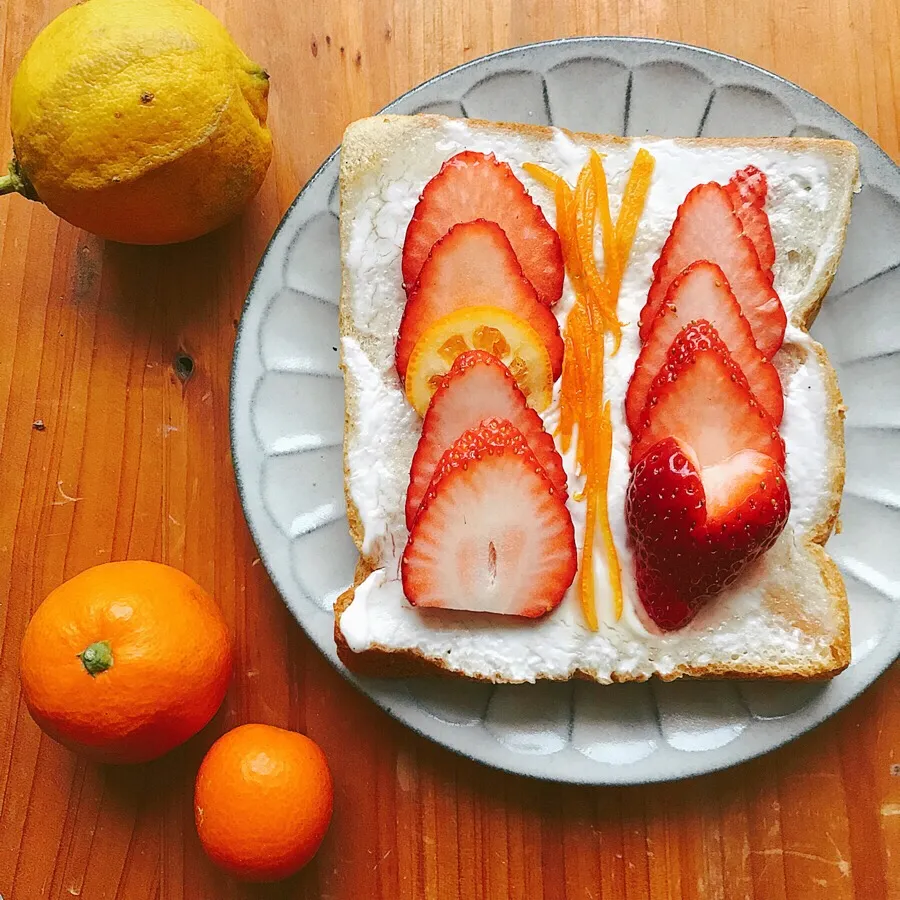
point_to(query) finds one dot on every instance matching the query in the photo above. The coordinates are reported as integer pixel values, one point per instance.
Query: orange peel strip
(592, 315)
(611, 259)
(565, 219)
(547, 178)
(602, 475)
(588, 434)
(588, 601)
(568, 399)
(601, 192)
(597, 446)
(599, 311)
(633, 198)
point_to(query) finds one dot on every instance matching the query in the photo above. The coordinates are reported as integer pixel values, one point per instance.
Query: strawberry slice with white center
(702, 292)
(471, 186)
(474, 265)
(701, 397)
(695, 530)
(492, 534)
(477, 387)
(707, 227)
(748, 189)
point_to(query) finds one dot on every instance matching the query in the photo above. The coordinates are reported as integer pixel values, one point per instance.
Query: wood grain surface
(132, 462)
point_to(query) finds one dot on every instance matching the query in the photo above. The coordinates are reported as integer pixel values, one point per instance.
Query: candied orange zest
(612, 263)
(565, 217)
(593, 314)
(602, 477)
(547, 178)
(633, 205)
(568, 399)
(588, 601)
(599, 312)
(591, 442)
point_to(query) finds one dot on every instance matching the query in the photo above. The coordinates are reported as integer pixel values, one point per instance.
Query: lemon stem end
(16, 181)
(8, 185)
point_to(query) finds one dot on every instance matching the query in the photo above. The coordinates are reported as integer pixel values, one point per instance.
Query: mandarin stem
(96, 658)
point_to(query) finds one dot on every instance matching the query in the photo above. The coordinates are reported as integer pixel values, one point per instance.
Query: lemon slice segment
(500, 333)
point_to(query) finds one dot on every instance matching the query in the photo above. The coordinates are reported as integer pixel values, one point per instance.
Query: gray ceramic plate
(287, 422)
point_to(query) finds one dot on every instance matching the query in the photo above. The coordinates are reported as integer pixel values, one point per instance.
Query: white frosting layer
(380, 451)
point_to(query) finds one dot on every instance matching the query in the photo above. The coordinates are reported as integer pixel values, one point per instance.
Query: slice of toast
(787, 616)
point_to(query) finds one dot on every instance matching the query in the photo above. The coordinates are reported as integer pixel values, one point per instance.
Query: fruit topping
(493, 534)
(701, 397)
(706, 227)
(592, 203)
(489, 328)
(593, 315)
(632, 207)
(471, 186)
(748, 189)
(478, 387)
(751, 185)
(702, 292)
(695, 529)
(474, 265)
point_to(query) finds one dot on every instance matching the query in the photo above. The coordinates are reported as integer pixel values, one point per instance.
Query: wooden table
(133, 463)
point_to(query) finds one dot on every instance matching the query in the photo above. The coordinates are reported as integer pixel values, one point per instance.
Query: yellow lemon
(139, 120)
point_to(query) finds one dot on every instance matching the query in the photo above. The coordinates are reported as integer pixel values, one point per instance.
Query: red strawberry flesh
(701, 397)
(748, 189)
(702, 292)
(492, 534)
(477, 387)
(706, 227)
(751, 185)
(695, 530)
(474, 265)
(471, 186)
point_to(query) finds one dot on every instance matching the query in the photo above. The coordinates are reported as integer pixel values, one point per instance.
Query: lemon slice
(489, 328)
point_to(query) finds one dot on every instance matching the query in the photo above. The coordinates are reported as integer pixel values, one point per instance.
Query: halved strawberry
(492, 534)
(702, 398)
(706, 227)
(748, 189)
(702, 292)
(477, 387)
(474, 265)
(471, 186)
(694, 530)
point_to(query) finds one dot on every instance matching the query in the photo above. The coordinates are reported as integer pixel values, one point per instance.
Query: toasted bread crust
(367, 144)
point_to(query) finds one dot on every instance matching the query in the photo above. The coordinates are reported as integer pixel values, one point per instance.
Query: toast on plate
(595, 341)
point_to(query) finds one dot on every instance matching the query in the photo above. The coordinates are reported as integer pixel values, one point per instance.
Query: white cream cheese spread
(380, 449)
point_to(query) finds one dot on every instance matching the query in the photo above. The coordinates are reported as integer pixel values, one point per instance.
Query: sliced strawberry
(706, 227)
(694, 530)
(702, 398)
(474, 265)
(748, 189)
(702, 292)
(478, 387)
(751, 185)
(471, 186)
(492, 534)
